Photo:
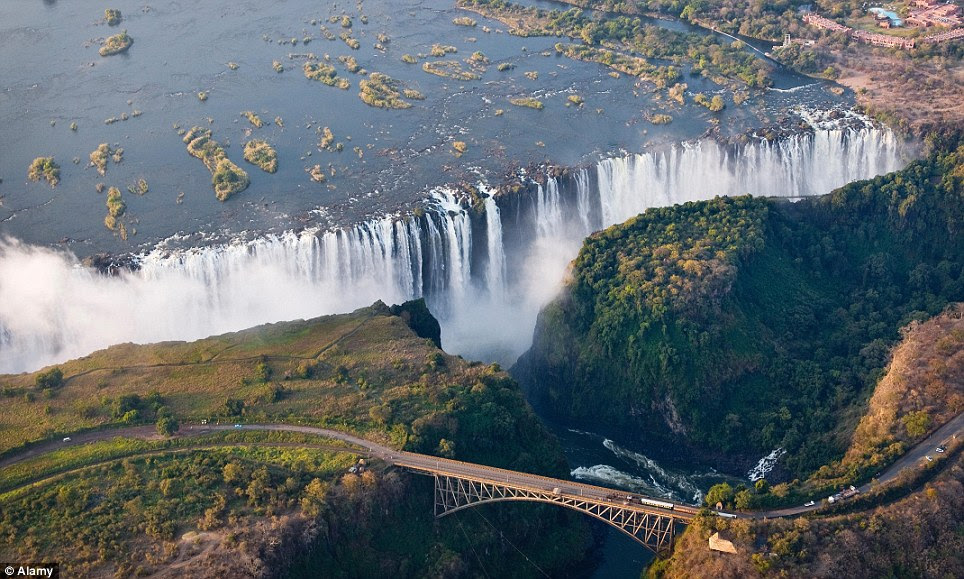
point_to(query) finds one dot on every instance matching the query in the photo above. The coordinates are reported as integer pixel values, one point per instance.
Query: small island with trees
(116, 44)
(44, 168)
(227, 178)
(259, 152)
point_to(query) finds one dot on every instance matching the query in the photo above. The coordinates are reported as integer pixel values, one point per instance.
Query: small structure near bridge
(718, 543)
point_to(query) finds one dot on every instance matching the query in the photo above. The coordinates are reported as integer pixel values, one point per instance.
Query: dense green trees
(708, 55)
(747, 324)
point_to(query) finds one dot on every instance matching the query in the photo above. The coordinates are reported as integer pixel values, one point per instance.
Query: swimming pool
(894, 18)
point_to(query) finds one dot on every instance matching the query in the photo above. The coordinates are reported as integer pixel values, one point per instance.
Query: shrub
(116, 44)
(262, 154)
(44, 168)
(53, 378)
(113, 16)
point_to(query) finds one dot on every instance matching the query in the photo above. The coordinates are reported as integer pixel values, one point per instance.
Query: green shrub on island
(527, 102)
(478, 57)
(460, 148)
(412, 94)
(351, 65)
(44, 168)
(115, 203)
(327, 138)
(382, 91)
(202, 96)
(277, 66)
(449, 69)
(253, 118)
(227, 178)
(115, 208)
(112, 16)
(505, 66)
(98, 158)
(260, 153)
(715, 104)
(443, 49)
(325, 73)
(464, 21)
(409, 59)
(660, 119)
(575, 100)
(677, 92)
(116, 44)
(352, 43)
(317, 174)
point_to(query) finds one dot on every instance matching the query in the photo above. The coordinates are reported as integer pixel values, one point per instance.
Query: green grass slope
(262, 504)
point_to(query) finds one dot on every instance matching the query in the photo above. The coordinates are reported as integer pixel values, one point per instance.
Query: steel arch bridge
(655, 529)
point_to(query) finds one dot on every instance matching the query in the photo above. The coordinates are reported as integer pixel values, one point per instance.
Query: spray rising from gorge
(485, 271)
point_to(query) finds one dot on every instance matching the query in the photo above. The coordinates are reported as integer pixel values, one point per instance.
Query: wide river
(52, 76)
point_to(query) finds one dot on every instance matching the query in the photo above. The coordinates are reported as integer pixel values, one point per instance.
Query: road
(915, 457)
(435, 465)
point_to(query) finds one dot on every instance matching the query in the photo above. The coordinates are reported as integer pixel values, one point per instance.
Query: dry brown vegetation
(912, 93)
(922, 389)
(918, 536)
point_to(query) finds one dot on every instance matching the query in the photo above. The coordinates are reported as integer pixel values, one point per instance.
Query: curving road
(434, 465)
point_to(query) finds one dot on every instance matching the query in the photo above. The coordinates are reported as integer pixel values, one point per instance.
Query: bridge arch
(649, 527)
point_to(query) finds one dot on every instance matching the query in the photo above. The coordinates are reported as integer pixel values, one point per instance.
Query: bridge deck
(536, 483)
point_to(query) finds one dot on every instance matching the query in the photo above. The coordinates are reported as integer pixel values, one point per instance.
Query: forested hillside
(743, 325)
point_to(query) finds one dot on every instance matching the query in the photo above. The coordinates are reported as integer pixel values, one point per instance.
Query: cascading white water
(52, 309)
(495, 266)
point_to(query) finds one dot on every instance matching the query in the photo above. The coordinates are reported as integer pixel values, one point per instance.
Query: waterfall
(485, 277)
(495, 271)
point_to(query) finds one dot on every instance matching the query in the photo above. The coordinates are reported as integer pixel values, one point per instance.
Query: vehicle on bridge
(655, 503)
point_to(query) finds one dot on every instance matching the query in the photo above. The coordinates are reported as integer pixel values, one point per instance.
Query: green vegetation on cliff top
(744, 324)
(377, 372)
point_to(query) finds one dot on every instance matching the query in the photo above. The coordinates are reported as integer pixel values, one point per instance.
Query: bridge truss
(655, 531)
